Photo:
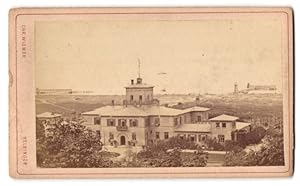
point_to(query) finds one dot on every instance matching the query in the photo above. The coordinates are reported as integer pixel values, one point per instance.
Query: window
(140, 97)
(111, 136)
(98, 133)
(133, 136)
(148, 97)
(147, 123)
(180, 120)
(111, 122)
(150, 132)
(175, 121)
(221, 138)
(223, 125)
(156, 122)
(97, 120)
(198, 118)
(217, 125)
(151, 142)
(166, 134)
(202, 137)
(157, 135)
(133, 122)
(131, 97)
(192, 138)
(122, 122)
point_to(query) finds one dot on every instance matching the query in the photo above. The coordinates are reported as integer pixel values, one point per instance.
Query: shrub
(233, 146)
(212, 144)
(168, 154)
(270, 154)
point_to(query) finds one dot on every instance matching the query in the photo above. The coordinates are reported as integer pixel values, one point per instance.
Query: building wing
(224, 117)
(195, 128)
(241, 125)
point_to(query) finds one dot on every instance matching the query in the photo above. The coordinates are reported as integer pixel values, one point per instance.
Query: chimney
(132, 81)
(139, 80)
(112, 102)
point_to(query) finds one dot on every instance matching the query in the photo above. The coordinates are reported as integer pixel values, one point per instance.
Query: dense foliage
(168, 153)
(70, 145)
(270, 153)
(213, 144)
(253, 137)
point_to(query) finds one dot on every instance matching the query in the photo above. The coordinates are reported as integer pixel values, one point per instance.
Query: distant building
(260, 89)
(53, 91)
(49, 119)
(142, 121)
(236, 91)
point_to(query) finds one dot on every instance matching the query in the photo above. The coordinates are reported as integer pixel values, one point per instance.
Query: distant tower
(236, 91)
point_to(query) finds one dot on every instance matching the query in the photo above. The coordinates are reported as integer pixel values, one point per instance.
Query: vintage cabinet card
(151, 92)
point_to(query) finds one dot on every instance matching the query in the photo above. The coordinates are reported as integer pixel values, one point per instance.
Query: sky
(189, 56)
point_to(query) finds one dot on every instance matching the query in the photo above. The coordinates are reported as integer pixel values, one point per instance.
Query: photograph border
(14, 109)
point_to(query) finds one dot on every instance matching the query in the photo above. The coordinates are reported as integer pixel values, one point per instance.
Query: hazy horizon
(180, 57)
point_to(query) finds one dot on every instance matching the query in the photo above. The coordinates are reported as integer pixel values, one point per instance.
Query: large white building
(141, 121)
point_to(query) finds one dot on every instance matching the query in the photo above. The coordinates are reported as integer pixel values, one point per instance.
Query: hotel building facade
(141, 121)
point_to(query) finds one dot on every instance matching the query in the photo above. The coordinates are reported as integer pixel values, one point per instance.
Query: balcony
(122, 128)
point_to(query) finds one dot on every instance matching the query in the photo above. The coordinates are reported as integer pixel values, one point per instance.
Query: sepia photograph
(125, 89)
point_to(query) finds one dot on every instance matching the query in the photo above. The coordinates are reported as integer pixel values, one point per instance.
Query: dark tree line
(70, 145)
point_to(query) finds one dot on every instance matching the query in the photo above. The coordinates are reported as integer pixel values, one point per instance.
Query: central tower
(139, 92)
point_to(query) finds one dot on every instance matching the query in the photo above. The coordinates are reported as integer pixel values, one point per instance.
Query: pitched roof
(195, 127)
(48, 115)
(196, 109)
(241, 125)
(144, 110)
(161, 110)
(224, 117)
(117, 110)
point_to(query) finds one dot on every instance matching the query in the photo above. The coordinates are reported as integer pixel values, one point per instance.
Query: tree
(172, 159)
(254, 136)
(271, 153)
(213, 144)
(71, 145)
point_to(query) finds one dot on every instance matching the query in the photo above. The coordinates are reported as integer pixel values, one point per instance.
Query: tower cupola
(139, 93)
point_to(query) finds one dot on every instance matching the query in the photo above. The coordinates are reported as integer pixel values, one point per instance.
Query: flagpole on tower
(139, 66)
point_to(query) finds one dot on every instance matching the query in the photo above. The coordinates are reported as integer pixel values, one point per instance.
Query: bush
(270, 154)
(176, 142)
(212, 144)
(233, 146)
(196, 159)
(168, 154)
